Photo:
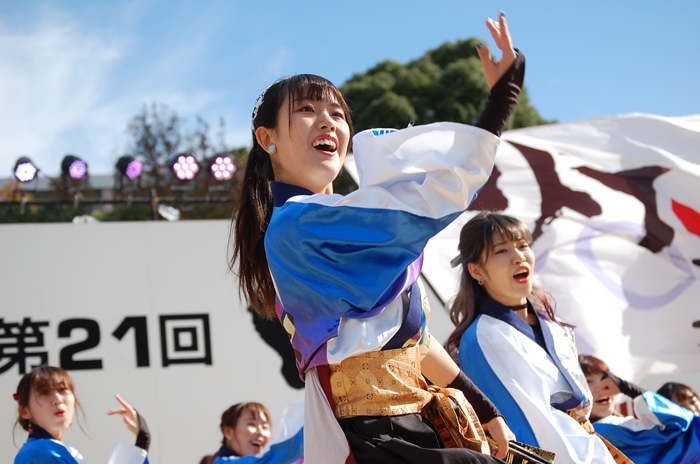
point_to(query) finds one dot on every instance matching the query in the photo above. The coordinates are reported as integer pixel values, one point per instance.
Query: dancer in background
(46, 407)
(661, 433)
(508, 340)
(682, 395)
(246, 429)
(341, 272)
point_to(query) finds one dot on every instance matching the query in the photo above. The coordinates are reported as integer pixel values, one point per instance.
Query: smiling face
(51, 409)
(506, 270)
(311, 140)
(250, 435)
(603, 402)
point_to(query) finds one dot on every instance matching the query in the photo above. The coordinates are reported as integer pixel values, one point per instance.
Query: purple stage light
(130, 167)
(77, 169)
(73, 167)
(134, 169)
(185, 167)
(25, 171)
(222, 168)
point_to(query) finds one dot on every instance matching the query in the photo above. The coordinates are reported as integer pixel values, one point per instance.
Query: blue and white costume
(535, 381)
(341, 263)
(662, 433)
(346, 269)
(42, 448)
(286, 446)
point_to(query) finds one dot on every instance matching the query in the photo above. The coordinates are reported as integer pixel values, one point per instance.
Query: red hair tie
(14, 395)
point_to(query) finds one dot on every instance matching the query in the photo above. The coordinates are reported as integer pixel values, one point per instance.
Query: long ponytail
(251, 216)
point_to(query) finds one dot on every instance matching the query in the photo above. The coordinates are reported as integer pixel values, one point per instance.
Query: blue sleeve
(349, 258)
(44, 451)
(348, 252)
(677, 441)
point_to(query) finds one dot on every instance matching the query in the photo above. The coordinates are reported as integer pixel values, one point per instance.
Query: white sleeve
(127, 454)
(431, 171)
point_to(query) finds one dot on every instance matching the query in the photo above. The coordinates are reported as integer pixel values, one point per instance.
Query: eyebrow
(334, 104)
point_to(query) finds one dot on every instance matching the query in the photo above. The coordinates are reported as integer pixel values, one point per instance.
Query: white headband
(259, 101)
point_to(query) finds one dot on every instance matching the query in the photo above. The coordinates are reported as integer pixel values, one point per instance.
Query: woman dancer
(661, 433)
(247, 432)
(46, 405)
(509, 341)
(341, 272)
(682, 395)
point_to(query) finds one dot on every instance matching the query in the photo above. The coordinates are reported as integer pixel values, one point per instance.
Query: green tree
(446, 84)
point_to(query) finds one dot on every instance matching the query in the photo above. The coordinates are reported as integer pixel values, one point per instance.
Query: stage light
(74, 167)
(130, 166)
(184, 166)
(25, 171)
(221, 167)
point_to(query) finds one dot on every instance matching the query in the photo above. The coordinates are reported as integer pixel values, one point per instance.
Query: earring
(481, 281)
(271, 148)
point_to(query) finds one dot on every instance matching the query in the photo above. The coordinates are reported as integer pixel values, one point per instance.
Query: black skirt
(409, 438)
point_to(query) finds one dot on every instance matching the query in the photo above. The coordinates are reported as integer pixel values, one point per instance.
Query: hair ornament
(455, 261)
(259, 102)
(16, 397)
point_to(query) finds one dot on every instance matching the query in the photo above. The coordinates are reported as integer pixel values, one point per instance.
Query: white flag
(614, 207)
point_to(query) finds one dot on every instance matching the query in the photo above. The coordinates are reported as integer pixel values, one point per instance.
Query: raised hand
(129, 415)
(494, 70)
(606, 387)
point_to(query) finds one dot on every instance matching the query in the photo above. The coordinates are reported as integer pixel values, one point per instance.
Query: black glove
(628, 388)
(503, 98)
(483, 407)
(143, 438)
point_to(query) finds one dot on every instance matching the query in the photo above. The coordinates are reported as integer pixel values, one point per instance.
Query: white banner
(614, 206)
(146, 310)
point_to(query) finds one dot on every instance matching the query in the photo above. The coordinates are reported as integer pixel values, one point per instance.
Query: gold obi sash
(390, 383)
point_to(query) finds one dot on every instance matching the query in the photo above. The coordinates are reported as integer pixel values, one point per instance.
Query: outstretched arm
(505, 78)
(612, 385)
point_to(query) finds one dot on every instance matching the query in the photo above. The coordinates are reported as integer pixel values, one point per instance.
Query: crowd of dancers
(341, 273)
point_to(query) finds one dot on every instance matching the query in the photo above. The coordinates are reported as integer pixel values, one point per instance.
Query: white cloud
(52, 77)
(65, 88)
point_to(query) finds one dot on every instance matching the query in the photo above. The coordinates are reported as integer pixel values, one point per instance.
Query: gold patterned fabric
(464, 431)
(521, 453)
(379, 383)
(390, 383)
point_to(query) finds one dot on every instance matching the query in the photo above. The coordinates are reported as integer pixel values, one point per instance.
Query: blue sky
(73, 72)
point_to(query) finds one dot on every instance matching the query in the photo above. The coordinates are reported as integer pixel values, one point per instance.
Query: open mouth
(60, 413)
(604, 401)
(325, 144)
(521, 275)
(258, 445)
